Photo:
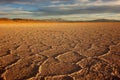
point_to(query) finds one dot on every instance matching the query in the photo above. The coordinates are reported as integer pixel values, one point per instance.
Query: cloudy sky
(65, 9)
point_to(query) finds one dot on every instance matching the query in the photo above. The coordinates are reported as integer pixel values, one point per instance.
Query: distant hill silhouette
(105, 20)
(55, 20)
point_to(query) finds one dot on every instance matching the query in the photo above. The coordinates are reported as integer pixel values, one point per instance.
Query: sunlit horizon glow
(65, 9)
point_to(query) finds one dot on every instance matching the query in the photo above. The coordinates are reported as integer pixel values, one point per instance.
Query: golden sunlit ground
(60, 51)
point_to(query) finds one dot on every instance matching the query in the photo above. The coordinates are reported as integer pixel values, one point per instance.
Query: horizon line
(61, 20)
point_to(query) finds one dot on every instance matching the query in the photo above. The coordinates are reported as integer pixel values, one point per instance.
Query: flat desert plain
(60, 51)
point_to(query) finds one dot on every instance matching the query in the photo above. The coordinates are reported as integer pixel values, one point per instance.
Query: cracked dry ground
(60, 51)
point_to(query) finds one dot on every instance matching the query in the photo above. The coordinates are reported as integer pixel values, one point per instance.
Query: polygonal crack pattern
(60, 51)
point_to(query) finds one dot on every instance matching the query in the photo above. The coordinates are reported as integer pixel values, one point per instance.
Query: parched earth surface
(60, 51)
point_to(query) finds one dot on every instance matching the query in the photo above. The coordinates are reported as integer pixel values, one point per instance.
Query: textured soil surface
(60, 51)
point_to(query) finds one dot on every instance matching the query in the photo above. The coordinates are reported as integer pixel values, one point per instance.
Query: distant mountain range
(105, 20)
(55, 20)
(19, 19)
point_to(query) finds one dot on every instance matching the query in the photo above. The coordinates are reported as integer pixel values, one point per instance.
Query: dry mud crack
(60, 51)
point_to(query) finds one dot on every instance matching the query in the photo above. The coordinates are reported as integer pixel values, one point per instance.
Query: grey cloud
(77, 10)
(104, 0)
(58, 10)
(109, 0)
(39, 1)
(29, 1)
